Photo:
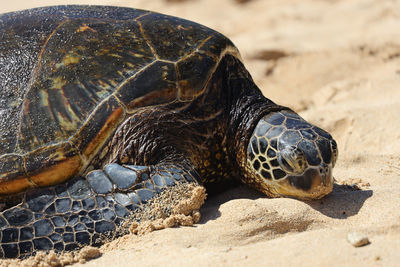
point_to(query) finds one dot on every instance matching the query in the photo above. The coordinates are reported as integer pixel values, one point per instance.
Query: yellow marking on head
(218, 156)
(207, 163)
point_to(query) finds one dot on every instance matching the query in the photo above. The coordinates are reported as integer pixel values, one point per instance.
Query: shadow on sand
(344, 201)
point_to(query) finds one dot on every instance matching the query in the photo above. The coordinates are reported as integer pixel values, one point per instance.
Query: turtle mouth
(314, 183)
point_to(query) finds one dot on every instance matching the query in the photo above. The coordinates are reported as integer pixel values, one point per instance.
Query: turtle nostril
(325, 174)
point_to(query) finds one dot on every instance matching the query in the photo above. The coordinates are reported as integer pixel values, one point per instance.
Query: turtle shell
(70, 75)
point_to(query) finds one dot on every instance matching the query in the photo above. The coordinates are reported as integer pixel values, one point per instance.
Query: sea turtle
(102, 108)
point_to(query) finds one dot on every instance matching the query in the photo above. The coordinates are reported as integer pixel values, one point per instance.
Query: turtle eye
(292, 160)
(284, 164)
(334, 152)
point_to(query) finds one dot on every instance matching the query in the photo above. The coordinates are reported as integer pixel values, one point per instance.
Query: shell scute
(183, 35)
(193, 78)
(154, 85)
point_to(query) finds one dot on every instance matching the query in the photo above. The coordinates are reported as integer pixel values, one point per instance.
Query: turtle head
(287, 156)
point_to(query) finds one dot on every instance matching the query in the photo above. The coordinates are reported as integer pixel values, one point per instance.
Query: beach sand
(335, 62)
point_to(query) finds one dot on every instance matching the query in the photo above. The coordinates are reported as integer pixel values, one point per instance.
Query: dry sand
(338, 64)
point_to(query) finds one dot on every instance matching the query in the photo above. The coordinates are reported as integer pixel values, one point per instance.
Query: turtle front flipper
(86, 210)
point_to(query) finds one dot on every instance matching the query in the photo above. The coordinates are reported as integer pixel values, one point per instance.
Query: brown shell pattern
(69, 77)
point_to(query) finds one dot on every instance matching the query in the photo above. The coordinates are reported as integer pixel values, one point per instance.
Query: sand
(338, 64)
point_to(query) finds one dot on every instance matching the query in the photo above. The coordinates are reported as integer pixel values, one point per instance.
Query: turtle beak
(314, 183)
